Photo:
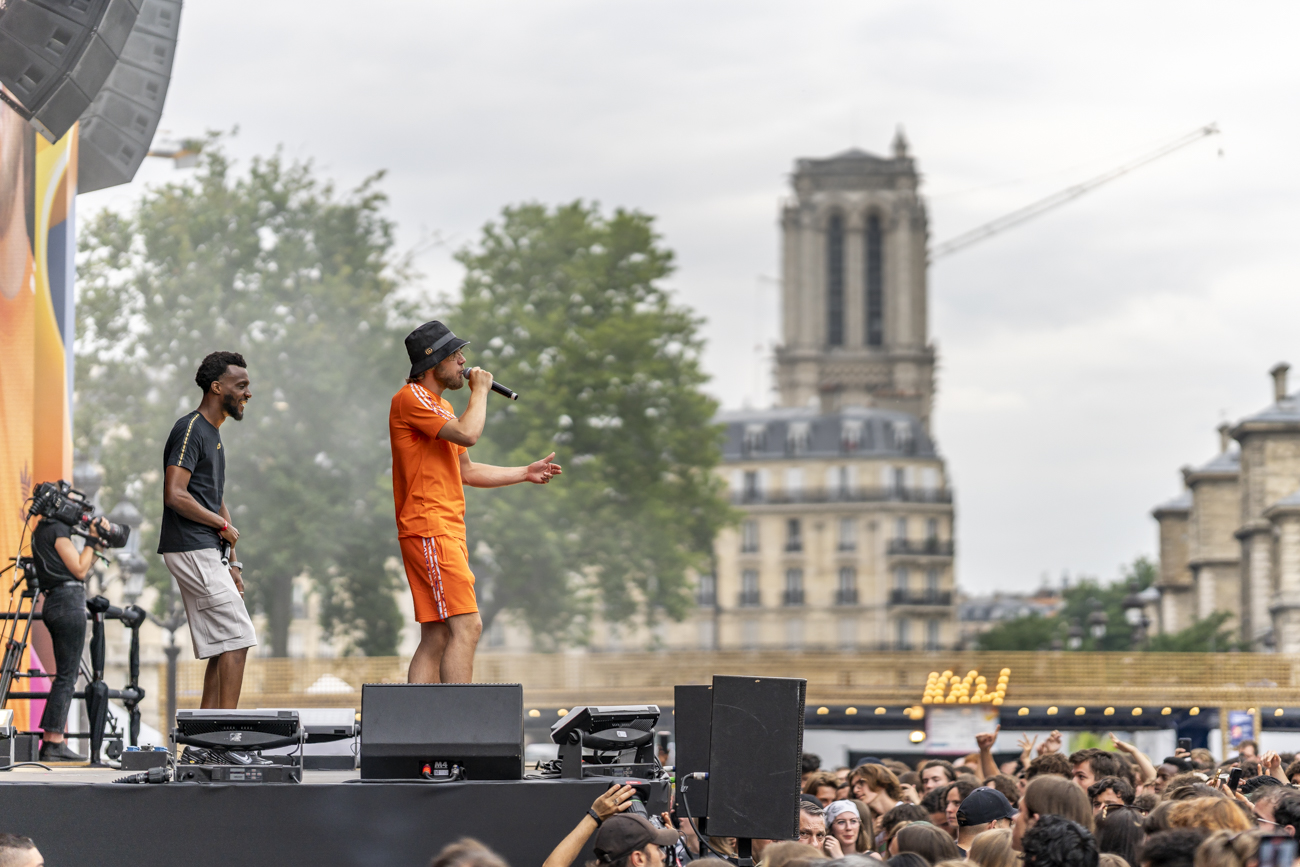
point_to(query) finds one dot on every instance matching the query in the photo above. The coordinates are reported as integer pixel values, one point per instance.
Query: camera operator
(61, 573)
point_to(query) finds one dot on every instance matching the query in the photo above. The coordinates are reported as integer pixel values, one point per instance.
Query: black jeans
(64, 614)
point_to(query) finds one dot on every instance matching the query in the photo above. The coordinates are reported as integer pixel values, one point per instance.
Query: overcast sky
(1084, 357)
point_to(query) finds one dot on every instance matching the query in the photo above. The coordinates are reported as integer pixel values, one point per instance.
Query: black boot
(51, 752)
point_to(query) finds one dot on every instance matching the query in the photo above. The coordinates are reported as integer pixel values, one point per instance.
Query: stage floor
(79, 816)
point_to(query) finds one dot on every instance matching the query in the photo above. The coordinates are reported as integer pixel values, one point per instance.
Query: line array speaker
(56, 54)
(119, 126)
(755, 747)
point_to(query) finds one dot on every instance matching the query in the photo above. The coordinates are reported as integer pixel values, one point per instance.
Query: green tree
(566, 306)
(1209, 635)
(1090, 597)
(301, 280)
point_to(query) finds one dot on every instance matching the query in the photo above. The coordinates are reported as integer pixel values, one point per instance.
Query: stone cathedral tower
(854, 286)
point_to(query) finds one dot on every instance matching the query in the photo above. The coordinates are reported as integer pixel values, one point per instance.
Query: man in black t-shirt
(195, 524)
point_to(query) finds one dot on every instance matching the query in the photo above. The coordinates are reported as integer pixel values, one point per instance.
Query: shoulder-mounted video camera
(59, 501)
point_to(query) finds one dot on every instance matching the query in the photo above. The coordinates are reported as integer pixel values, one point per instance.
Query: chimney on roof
(1279, 380)
(1225, 437)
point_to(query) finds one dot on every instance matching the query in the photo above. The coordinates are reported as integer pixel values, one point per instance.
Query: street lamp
(1097, 621)
(129, 559)
(1075, 641)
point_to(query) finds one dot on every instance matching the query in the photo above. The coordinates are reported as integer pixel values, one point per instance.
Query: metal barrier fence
(562, 679)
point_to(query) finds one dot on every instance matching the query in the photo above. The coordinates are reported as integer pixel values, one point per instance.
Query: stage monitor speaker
(119, 126)
(755, 747)
(693, 718)
(406, 726)
(56, 54)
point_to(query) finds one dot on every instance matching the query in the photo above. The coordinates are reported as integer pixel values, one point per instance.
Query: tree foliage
(567, 306)
(275, 265)
(1090, 596)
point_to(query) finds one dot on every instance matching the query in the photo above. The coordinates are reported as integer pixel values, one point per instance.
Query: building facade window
(749, 588)
(794, 633)
(932, 529)
(848, 534)
(793, 587)
(932, 581)
(707, 591)
(835, 281)
(902, 634)
(846, 590)
(753, 486)
(932, 634)
(708, 634)
(848, 633)
(900, 529)
(749, 634)
(793, 535)
(875, 282)
(794, 483)
(900, 579)
(749, 537)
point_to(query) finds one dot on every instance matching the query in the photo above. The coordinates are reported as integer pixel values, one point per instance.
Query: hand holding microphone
(496, 386)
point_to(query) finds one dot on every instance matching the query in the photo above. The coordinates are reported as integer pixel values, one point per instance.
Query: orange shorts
(438, 571)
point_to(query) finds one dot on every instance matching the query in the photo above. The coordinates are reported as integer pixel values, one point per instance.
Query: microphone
(501, 389)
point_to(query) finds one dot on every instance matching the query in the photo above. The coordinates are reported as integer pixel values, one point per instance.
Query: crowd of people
(1046, 808)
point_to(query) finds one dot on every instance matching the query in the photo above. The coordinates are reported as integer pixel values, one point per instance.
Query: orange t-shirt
(427, 489)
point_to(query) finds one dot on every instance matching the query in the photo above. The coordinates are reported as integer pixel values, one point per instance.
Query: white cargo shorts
(218, 618)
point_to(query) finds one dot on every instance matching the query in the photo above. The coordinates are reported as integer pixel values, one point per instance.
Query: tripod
(96, 694)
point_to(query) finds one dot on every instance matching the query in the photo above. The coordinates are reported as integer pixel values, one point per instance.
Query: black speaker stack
(739, 744)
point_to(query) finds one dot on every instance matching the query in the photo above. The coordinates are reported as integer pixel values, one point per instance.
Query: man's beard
(232, 407)
(452, 384)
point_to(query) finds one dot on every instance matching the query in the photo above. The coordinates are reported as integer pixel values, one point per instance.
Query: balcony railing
(927, 547)
(850, 495)
(846, 596)
(707, 599)
(749, 599)
(920, 597)
(792, 597)
(794, 546)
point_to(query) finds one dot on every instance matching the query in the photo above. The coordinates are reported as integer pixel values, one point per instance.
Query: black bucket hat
(430, 344)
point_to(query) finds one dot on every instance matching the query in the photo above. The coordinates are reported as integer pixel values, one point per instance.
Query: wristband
(591, 811)
(224, 526)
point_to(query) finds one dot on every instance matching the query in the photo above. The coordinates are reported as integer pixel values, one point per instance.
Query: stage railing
(562, 679)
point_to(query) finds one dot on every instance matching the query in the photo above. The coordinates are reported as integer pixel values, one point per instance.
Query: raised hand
(986, 740)
(615, 799)
(540, 472)
(1051, 744)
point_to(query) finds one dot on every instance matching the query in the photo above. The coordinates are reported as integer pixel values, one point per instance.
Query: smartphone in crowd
(1184, 744)
(1234, 779)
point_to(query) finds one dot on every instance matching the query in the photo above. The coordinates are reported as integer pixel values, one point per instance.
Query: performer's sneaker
(195, 756)
(59, 752)
(240, 757)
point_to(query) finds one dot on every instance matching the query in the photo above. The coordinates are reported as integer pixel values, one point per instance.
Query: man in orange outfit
(430, 467)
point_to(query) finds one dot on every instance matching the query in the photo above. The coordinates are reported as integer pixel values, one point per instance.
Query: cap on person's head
(984, 805)
(625, 833)
(837, 807)
(811, 799)
(867, 760)
(430, 344)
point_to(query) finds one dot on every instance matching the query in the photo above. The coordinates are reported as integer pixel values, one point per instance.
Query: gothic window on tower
(835, 281)
(875, 282)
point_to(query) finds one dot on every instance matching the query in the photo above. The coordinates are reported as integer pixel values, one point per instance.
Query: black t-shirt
(51, 571)
(195, 445)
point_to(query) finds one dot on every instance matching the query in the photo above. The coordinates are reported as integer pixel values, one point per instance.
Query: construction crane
(1015, 218)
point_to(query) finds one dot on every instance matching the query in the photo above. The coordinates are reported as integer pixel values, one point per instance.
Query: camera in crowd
(59, 501)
